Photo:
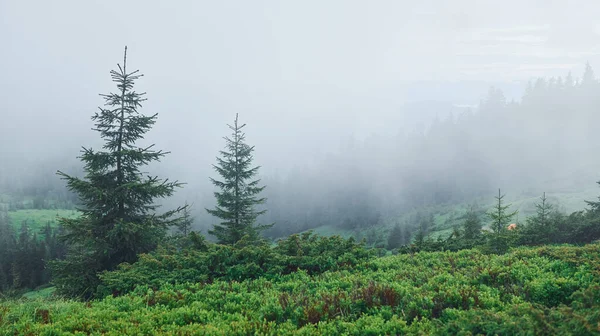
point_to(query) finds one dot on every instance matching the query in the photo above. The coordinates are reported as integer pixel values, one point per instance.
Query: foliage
(589, 225)
(237, 198)
(118, 214)
(472, 226)
(499, 216)
(184, 226)
(425, 223)
(209, 262)
(46, 292)
(396, 237)
(500, 239)
(547, 226)
(23, 252)
(529, 291)
(542, 228)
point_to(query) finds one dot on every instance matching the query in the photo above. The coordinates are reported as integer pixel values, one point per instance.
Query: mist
(359, 111)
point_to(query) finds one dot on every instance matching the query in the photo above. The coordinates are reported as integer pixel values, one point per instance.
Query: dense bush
(529, 291)
(210, 262)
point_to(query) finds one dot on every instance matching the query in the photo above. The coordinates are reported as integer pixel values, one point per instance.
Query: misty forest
(262, 176)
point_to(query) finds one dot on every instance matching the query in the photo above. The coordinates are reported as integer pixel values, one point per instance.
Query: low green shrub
(311, 253)
(550, 290)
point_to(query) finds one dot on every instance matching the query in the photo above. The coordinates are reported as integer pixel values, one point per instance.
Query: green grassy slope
(37, 219)
(44, 293)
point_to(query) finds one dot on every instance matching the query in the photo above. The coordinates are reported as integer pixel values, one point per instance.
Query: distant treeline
(543, 141)
(34, 188)
(547, 226)
(24, 253)
(455, 160)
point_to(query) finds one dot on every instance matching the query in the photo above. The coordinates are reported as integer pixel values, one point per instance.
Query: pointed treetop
(588, 75)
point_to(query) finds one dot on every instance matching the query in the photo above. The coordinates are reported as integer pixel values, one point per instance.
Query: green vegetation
(449, 217)
(24, 201)
(329, 230)
(529, 291)
(463, 269)
(47, 292)
(499, 240)
(209, 262)
(23, 253)
(119, 217)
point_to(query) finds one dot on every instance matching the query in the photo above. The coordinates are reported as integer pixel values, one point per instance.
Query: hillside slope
(550, 290)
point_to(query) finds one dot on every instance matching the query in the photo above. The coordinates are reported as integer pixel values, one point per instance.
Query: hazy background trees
(543, 141)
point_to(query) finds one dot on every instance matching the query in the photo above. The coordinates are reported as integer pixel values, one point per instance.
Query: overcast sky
(304, 74)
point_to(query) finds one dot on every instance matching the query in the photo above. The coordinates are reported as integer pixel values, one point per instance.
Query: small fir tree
(472, 226)
(589, 229)
(541, 220)
(588, 75)
(238, 195)
(499, 215)
(425, 223)
(499, 241)
(184, 227)
(540, 228)
(395, 238)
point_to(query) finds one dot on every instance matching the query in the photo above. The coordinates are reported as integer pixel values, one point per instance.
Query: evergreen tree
(499, 241)
(543, 211)
(408, 231)
(7, 251)
(588, 75)
(589, 229)
(425, 223)
(21, 267)
(395, 238)
(569, 81)
(118, 219)
(499, 216)
(419, 238)
(594, 205)
(238, 195)
(35, 256)
(472, 226)
(184, 227)
(540, 228)
(52, 248)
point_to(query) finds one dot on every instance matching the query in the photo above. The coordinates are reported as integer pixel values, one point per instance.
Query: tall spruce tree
(238, 195)
(118, 218)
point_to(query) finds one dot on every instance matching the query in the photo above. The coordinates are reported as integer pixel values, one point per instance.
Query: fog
(350, 104)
